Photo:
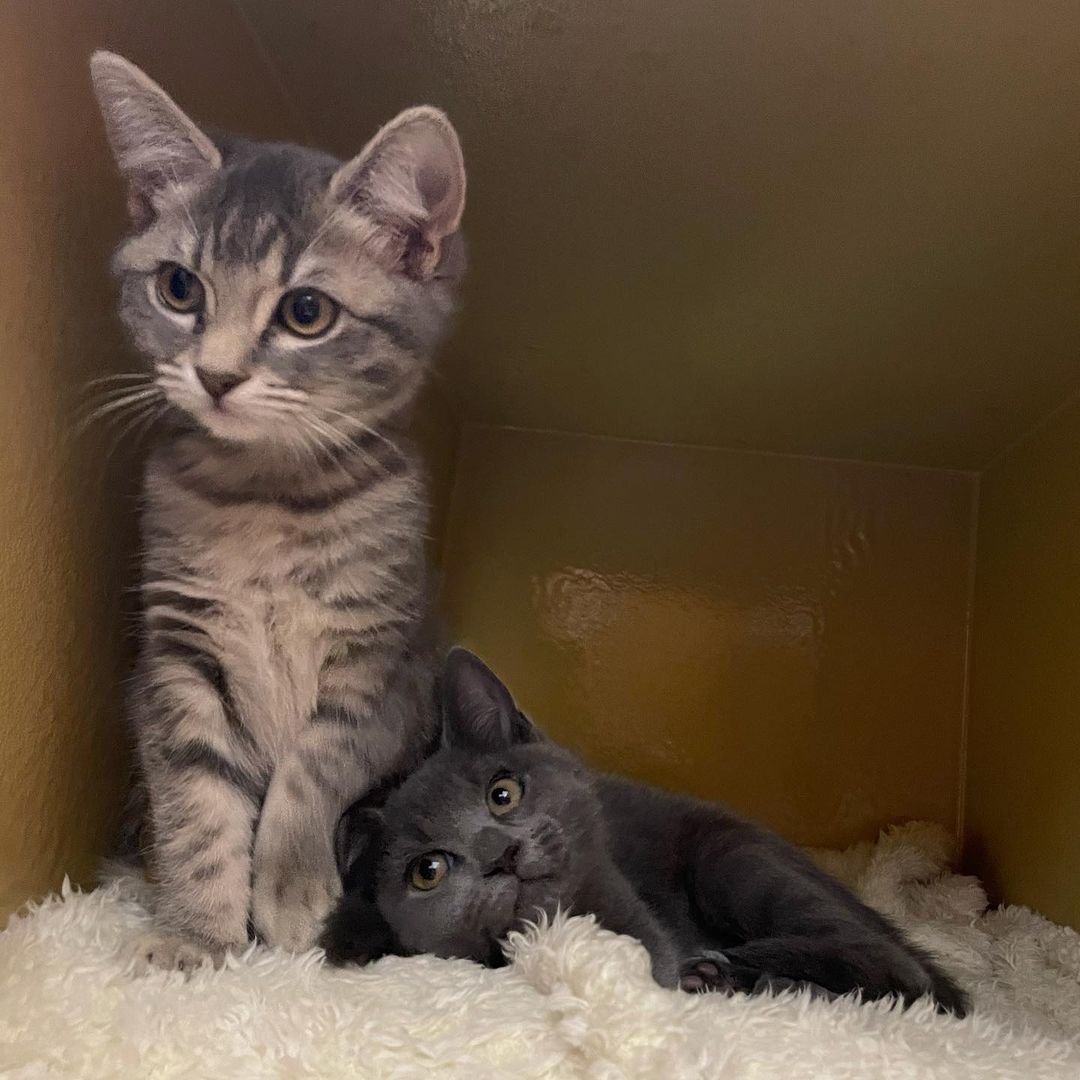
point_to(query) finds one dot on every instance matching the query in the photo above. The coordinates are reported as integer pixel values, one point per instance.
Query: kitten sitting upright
(500, 825)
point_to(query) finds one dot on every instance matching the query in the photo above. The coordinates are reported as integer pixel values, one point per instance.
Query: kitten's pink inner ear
(409, 181)
(433, 185)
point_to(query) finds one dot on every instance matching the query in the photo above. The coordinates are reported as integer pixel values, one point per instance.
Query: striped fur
(286, 666)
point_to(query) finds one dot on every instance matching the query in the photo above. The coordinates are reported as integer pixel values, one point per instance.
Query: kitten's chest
(269, 634)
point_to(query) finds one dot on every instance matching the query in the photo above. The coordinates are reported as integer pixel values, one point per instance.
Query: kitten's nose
(218, 383)
(496, 852)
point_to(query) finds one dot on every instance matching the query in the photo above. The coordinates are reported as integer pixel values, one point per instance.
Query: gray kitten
(499, 825)
(287, 305)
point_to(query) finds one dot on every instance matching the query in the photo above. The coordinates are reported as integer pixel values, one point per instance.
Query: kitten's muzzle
(218, 383)
(497, 852)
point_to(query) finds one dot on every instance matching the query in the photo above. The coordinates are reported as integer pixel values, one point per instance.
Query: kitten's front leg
(345, 750)
(619, 908)
(203, 790)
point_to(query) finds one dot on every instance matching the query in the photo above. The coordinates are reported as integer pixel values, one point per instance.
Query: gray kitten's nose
(496, 852)
(218, 383)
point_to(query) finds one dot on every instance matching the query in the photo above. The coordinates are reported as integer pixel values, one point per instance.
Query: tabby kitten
(287, 305)
(500, 825)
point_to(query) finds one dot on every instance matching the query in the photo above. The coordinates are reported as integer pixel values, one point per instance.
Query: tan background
(1024, 748)
(839, 229)
(784, 634)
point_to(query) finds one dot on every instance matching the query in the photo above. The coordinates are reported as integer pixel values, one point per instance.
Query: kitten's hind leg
(840, 963)
(774, 912)
(713, 972)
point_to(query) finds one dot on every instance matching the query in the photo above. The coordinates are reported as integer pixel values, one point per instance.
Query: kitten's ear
(479, 713)
(409, 182)
(155, 145)
(356, 842)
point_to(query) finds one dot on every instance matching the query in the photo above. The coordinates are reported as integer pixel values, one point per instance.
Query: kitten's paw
(162, 950)
(709, 973)
(290, 907)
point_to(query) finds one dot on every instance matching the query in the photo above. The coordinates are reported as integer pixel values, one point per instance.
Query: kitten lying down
(500, 824)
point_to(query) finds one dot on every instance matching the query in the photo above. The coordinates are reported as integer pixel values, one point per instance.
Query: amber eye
(503, 795)
(307, 312)
(179, 289)
(426, 872)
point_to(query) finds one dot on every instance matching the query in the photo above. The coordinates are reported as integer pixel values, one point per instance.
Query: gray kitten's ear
(479, 713)
(155, 145)
(409, 182)
(355, 838)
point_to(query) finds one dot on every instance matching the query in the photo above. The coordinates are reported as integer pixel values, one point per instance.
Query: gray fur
(719, 903)
(285, 668)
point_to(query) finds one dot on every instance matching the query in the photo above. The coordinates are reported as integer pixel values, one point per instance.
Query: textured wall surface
(1023, 809)
(835, 227)
(66, 535)
(784, 634)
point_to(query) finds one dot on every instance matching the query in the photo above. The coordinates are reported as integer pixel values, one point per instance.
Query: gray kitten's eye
(503, 795)
(179, 289)
(307, 312)
(427, 871)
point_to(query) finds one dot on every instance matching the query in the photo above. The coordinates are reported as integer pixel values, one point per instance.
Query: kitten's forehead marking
(267, 197)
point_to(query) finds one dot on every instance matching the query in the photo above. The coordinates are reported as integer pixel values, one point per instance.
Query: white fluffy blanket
(577, 1002)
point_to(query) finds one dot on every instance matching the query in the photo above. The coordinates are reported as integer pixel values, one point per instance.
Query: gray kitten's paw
(711, 972)
(166, 951)
(290, 906)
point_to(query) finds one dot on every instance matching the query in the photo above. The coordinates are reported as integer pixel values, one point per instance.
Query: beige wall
(785, 634)
(66, 537)
(1023, 811)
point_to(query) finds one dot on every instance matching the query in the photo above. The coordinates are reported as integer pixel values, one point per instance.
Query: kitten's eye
(179, 289)
(503, 795)
(307, 312)
(426, 872)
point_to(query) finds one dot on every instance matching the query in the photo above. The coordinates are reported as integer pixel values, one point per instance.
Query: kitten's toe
(708, 973)
(162, 950)
(290, 911)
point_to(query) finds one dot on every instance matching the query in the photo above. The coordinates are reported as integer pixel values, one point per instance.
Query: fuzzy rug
(577, 1002)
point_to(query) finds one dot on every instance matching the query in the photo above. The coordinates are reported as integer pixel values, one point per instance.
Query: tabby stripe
(399, 335)
(163, 621)
(349, 651)
(297, 504)
(170, 647)
(199, 845)
(330, 712)
(201, 756)
(190, 605)
(207, 871)
(324, 781)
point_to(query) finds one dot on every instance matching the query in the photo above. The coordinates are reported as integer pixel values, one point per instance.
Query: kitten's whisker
(325, 441)
(143, 416)
(111, 393)
(362, 426)
(112, 407)
(119, 376)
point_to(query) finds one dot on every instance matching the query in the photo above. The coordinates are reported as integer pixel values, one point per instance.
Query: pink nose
(218, 383)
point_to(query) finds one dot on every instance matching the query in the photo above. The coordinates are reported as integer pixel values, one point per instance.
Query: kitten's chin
(230, 428)
(535, 899)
